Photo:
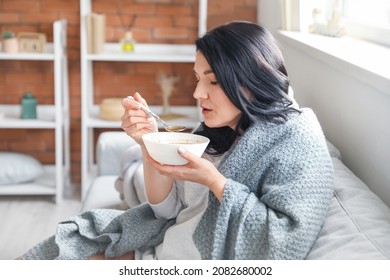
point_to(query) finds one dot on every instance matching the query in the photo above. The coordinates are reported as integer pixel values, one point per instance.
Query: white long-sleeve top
(187, 202)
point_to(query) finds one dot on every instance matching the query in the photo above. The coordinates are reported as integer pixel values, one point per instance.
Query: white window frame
(366, 32)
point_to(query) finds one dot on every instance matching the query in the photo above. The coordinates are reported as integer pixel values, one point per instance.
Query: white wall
(354, 114)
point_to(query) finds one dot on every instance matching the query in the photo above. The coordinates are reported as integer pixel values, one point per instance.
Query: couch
(357, 225)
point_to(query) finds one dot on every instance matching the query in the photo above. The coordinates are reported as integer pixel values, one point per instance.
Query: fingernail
(181, 150)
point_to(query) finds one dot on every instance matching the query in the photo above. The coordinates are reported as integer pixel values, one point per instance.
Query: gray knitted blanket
(280, 180)
(112, 232)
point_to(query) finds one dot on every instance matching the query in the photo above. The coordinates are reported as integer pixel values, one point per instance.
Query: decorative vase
(10, 45)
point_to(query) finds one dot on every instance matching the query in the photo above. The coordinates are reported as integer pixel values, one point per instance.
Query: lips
(204, 107)
(205, 110)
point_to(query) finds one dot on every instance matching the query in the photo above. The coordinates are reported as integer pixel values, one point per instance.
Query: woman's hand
(197, 170)
(135, 122)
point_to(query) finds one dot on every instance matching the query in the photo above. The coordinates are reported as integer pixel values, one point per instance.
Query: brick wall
(152, 21)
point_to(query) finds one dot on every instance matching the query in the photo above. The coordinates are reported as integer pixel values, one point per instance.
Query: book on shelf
(96, 29)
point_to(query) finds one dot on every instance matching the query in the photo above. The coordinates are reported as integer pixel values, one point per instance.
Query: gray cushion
(358, 222)
(16, 168)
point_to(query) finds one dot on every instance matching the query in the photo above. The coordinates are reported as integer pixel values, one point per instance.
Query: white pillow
(18, 168)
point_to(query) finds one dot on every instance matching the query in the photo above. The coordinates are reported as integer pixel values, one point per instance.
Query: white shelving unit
(143, 53)
(54, 117)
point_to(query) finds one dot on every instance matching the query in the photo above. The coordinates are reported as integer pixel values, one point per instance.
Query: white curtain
(290, 15)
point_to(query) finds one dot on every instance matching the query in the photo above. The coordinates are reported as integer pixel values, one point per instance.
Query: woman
(269, 195)
(261, 190)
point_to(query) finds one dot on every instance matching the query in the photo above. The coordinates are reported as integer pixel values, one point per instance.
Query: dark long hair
(249, 68)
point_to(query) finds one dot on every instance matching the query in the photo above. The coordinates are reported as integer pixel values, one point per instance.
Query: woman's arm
(135, 122)
(157, 186)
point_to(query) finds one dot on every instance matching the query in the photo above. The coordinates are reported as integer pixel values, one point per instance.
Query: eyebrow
(205, 72)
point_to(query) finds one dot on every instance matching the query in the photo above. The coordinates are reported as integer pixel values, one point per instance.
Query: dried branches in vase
(167, 84)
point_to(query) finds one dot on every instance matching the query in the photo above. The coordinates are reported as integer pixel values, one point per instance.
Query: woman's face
(216, 107)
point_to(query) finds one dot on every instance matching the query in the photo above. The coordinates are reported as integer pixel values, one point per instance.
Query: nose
(199, 93)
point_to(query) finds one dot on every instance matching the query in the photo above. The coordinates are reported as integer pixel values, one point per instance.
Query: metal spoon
(170, 128)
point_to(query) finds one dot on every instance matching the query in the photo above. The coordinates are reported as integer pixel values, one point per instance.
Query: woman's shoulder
(296, 122)
(306, 122)
(300, 129)
(304, 131)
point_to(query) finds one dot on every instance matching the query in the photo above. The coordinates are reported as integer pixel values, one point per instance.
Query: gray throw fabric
(280, 179)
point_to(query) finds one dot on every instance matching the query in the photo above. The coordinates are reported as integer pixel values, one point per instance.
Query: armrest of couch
(109, 150)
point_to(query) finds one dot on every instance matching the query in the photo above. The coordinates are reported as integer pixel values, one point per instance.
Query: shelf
(190, 119)
(47, 55)
(146, 53)
(45, 185)
(11, 117)
(54, 116)
(154, 53)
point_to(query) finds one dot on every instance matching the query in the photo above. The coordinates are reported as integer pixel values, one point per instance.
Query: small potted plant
(9, 42)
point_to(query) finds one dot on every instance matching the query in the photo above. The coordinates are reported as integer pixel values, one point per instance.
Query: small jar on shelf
(127, 42)
(29, 106)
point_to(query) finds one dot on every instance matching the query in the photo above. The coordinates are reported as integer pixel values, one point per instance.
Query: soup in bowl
(163, 146)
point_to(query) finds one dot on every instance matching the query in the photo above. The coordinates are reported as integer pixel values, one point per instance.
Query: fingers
(135, 122)
(187, 155)
(129, 104)
(137, 97)
(132, 108)
(135, 116)
(134, 119)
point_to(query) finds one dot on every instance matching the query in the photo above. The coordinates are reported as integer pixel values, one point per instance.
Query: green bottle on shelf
(29, 106)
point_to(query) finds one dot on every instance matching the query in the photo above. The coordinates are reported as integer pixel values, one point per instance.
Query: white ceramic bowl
(162, 146)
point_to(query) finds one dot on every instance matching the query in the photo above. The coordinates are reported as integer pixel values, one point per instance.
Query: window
(368, 19)
(370, 12)
(363, 19)
(361, 59)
